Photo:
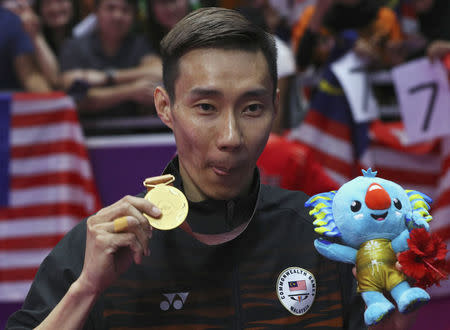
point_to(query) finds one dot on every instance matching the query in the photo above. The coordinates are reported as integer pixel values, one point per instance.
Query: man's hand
(94, 78)
(396, 321)
(365, 49)
(437, 49)
(109, 253)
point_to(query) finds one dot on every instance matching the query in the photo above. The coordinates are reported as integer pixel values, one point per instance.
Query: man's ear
(162, 105)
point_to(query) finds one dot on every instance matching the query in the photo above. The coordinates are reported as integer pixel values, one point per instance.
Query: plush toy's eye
(356, 206)
(397, 204)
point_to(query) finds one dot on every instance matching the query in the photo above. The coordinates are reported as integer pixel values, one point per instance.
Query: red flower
(425, 259)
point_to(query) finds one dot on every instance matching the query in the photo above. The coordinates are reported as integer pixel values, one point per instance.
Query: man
(18, 70)
(244, 257)
(117, 68)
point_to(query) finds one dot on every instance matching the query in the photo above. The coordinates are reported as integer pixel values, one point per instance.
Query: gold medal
(171, 201)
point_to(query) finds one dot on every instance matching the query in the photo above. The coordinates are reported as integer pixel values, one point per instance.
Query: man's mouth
(380, 217)
(222, 171)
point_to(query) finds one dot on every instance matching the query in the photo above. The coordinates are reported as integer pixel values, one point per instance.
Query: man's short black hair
(214, 28)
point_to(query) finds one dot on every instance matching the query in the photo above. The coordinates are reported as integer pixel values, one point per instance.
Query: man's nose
(229, 135)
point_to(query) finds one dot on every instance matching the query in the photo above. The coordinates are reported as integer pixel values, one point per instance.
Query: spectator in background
(275, 22)
(111, 71)
(48, 24)
(58, 17)
(162, 15)
(434, 23)
(18, 69)
(320, 27)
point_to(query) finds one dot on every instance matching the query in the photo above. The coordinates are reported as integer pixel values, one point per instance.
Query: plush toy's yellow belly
(375, 266)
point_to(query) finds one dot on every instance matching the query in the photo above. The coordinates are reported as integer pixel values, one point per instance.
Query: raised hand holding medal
(119, 234)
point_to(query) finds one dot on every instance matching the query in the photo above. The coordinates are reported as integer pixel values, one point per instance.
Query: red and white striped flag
(46, 183)
(441, 212)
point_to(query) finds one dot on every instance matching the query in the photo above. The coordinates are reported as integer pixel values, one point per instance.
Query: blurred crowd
(105, 53)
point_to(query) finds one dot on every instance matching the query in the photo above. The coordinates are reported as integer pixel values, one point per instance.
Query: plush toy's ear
(322, 211)
(420, 203)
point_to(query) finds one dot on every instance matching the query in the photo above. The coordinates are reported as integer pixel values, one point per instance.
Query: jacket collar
(218, 221)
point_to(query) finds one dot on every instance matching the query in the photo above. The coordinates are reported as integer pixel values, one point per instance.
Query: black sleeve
(305, 49)
(55, 275)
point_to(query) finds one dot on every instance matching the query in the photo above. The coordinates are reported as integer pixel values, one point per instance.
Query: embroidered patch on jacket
(296, 289)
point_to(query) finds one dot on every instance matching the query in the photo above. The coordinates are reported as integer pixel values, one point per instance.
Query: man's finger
(129, 205)
(124, 224)
(128, 240)
(132, 225)
(120, 224)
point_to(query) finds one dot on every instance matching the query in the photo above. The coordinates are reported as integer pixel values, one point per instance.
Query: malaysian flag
(46, 183)
(297, 285)
(329, 130)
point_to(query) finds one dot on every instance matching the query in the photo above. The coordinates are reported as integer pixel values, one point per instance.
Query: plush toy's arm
(413, 220)
(416, 219)
(335, 251)
(400, 243)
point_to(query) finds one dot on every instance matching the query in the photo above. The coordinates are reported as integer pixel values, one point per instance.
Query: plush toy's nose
(377, 198)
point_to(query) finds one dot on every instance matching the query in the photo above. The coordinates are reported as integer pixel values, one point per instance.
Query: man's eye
(254, 107)
(205, 107)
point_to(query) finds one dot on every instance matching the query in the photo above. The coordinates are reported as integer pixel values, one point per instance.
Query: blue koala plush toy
(372, 217)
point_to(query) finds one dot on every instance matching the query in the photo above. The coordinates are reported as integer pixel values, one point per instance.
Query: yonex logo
(176, 300)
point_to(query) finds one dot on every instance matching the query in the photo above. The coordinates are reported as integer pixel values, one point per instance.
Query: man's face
(221, 118)
(115, 18)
